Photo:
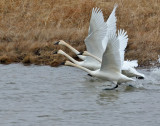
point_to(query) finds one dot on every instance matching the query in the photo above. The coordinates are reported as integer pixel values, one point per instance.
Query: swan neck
(82, 68)
(70, 58)
(95, 57)
(73, 49)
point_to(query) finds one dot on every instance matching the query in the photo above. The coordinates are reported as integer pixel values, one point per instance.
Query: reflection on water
(66, 96)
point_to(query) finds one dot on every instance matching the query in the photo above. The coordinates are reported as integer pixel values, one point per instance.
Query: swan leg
(111, 88)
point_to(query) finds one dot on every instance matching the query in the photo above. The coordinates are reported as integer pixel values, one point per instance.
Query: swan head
(58, 52)
(55, 52)
(60, 42)
(81, 53)
(137, 74)
(56, 43)
(68, 63)
(84, 53)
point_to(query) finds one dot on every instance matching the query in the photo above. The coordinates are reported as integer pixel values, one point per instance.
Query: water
(66, 96)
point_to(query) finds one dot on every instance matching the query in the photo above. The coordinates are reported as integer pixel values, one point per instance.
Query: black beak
(55, 52)
(56, 43)
(81, 53)
(63, 63)
(89, 75)
(140, 77)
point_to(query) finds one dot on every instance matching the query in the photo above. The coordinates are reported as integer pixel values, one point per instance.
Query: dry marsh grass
(28, 28)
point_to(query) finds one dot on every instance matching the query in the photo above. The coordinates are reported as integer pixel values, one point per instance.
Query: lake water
(66, 96)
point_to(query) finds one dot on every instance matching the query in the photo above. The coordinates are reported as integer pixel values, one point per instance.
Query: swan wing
(123, 40)
(111, 22)
(111, 25)
(111, 60)
(96, 20)
(93, 41)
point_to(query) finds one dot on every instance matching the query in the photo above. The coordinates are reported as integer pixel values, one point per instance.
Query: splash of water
(155, 73)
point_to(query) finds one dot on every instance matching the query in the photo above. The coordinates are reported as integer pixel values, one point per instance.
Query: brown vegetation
(28, 28)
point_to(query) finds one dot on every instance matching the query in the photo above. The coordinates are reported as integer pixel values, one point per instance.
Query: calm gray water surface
(66, 96)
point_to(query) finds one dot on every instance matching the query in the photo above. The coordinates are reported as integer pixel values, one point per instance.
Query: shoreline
(55, 63)
(38, 53)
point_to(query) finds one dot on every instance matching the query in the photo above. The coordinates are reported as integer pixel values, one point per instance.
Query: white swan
(96, 40)
(128, 66)
(111, 64)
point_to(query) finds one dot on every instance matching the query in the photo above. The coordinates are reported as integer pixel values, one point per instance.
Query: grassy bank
(28, 28)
